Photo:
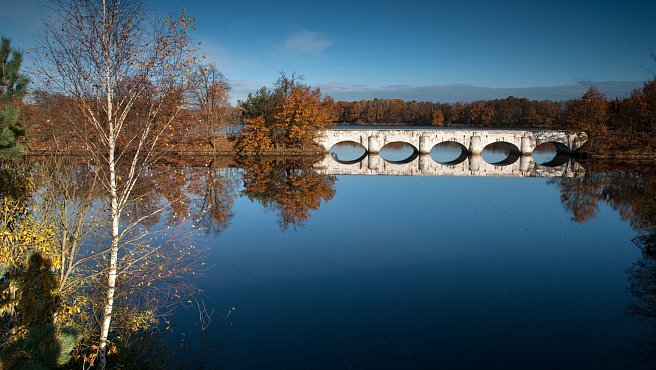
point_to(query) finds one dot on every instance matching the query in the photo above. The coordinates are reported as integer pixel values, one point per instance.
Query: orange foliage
(254, 137)
(590, 115)
(300, 116)
(438, 118)
(481, 114)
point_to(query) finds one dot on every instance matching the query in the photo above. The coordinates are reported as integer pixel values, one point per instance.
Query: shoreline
(581, 156)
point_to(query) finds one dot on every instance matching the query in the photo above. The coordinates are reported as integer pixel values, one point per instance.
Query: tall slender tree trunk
(115, 207)
(113, 262)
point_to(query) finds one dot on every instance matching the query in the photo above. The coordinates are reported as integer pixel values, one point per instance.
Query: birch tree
(110, 57)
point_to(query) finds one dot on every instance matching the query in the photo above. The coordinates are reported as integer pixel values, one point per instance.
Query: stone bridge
(472, 141)
(472, 165)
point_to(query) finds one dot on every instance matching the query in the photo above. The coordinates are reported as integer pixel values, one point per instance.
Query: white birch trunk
(115, 207)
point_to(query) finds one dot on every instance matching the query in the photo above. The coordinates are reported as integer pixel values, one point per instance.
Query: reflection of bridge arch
(558, 160)
(348, 161)
(474, 140)
(424, 165)
(512, 156)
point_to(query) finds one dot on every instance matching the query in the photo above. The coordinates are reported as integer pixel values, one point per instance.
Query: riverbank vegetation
(284, 120)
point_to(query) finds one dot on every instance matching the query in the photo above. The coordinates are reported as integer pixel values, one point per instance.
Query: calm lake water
(402, 272)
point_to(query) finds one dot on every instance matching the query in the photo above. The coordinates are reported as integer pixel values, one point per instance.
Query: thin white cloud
(241, 88)
(453, 93)
(308, 42)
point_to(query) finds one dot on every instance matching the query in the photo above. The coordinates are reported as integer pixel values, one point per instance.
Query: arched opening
(348, 152)
(551, 154)
(501, 153)
(449, 153)
(398, 152)
(544, 153)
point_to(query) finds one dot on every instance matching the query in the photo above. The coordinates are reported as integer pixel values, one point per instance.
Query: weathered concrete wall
(424, 165)
(475, 140)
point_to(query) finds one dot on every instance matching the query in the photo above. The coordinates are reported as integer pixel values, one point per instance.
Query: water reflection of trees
(216, 189)
(52, 211)
(290, 187)
(632, 193)
(642, 287)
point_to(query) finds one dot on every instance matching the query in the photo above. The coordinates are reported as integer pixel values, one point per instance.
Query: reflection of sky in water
(423, 272)
(347, 151)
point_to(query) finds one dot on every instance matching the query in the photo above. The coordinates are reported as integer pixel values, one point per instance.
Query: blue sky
(424, 50)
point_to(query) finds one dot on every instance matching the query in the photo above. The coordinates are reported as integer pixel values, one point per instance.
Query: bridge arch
(501, 153)
(474, 139)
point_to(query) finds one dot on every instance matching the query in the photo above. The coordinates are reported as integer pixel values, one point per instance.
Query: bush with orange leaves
(254, 137)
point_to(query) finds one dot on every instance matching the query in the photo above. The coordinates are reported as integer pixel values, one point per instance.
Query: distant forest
(508, 112)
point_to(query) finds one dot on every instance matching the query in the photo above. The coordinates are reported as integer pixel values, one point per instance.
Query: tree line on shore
(287, 120)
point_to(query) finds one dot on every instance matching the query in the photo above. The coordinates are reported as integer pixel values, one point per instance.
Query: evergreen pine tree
(13, 87)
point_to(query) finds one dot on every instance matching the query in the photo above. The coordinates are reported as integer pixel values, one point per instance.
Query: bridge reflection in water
(515, 165)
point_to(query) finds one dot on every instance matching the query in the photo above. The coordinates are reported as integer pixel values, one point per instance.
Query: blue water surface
(422, 273)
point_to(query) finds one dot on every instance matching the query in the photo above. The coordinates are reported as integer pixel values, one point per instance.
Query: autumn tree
(209, 95)
(88, 50)
(589, 115)
(300, 116)
(644, 100)
(438, 118)
(30, 300)
(480, 114)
